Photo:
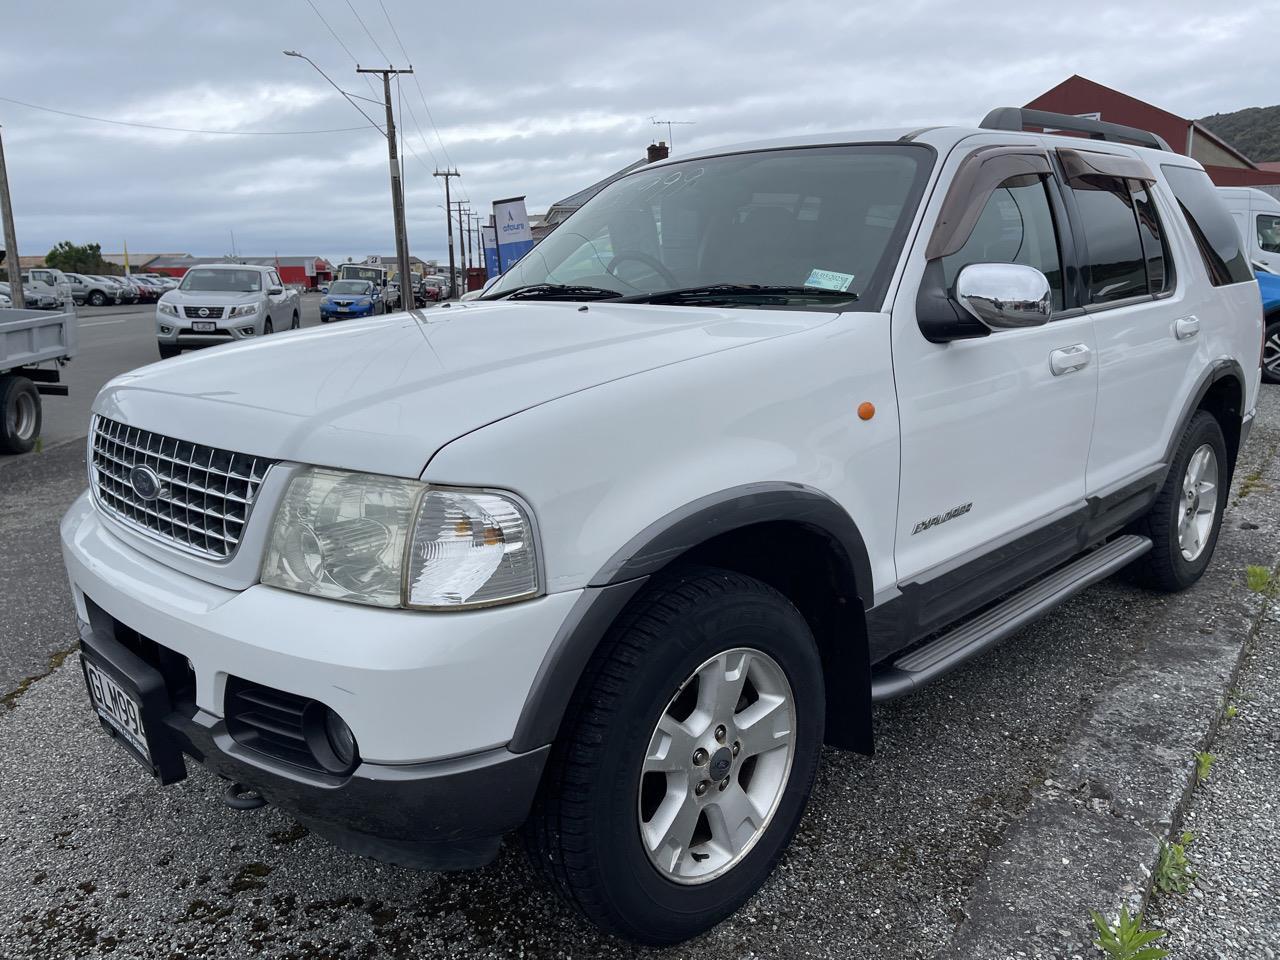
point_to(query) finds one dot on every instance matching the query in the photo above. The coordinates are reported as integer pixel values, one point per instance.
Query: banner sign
(490, 243)
(514, 238)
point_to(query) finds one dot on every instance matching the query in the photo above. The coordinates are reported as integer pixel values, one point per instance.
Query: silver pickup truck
(34, 345)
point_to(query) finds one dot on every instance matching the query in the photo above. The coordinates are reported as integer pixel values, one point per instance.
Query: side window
(1214, 231)
(1269, 232)
(275, 279)
(1117, 267)
(1016, 226)
(1155, 248)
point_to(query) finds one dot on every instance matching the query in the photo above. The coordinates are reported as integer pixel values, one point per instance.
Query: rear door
(1263, 237)
(1159, 321)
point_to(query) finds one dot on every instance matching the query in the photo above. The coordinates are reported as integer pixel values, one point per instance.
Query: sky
(528, 98)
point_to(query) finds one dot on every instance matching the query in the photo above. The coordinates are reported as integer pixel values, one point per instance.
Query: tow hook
(240, 797)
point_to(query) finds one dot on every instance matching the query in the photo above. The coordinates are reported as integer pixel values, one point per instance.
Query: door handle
(1185, 328)
(1066, 359)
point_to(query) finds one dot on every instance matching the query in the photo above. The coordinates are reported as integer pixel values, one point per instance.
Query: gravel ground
(95, 860)
(1233, 909)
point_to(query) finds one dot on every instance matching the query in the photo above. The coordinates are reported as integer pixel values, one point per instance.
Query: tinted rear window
(1116, 269)
(1215, 232)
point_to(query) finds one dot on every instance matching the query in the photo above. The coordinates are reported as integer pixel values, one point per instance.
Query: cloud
(539, 99)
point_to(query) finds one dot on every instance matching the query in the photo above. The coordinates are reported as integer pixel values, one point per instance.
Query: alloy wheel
(1271, 353)
(1199, 503)
(717, 766)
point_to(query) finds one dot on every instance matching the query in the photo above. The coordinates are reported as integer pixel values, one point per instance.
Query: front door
(995, 430)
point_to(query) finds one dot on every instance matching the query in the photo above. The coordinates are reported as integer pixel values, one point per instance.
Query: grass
(1258, 579)
(1127, 940)
(1204, 764)
(1173, 873)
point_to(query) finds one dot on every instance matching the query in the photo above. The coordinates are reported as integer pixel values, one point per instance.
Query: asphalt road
(96, 860)
(112, 341)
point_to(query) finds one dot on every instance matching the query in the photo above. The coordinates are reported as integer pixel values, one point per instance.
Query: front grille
(210, 313)
(269, 721)
(205, 494)
(344, 303)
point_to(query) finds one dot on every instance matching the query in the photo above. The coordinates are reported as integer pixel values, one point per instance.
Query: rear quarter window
(1216, 234)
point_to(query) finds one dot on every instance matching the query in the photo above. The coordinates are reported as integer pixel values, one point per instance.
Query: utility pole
(448, 219)
(10, 238)
(397, 188)
(462, 240)
(466, 233)
(473, 230)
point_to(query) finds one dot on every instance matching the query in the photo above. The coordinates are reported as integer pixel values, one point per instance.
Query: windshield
(222, 281)
(826, 218)
(352, 287)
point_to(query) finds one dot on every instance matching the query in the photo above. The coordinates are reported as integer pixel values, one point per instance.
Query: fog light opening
(341, 740)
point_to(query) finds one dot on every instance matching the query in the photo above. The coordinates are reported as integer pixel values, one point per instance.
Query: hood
(383, 395)
(210, 297)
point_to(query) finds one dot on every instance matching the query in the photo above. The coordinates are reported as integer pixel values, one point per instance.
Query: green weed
(1127, 940)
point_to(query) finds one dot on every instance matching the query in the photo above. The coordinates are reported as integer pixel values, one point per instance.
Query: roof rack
(1019, 118)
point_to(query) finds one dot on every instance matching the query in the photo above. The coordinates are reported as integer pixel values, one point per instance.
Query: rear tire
(21, 414)
(1182, 537)
(644, 857)
(1271, 352)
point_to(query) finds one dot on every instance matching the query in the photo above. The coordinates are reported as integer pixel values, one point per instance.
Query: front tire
(1271, 352)
(97, 299)
(297, 322)
(267, 328)
(1185, 519)
(20, 414)
(686, 758)
(168, 351)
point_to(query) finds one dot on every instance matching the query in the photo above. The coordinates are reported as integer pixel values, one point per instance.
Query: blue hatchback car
(1269, 286)
(351, 298)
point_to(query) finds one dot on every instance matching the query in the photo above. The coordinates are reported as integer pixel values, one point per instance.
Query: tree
(76, 258)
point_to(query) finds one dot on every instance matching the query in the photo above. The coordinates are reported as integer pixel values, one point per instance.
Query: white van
(49, 281)
(1257, 214)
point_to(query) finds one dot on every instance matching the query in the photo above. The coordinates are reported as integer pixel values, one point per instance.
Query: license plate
(117, 708)
(343, 309)
(204, 326)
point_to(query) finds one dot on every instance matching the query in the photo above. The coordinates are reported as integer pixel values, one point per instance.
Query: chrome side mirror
(1005, 295)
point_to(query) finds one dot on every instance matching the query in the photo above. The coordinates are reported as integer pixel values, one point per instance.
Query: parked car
(221, 302)
(34, 297)
(431, 290)
(128, 293)
(154, 288)
(351, 298)
(93, 291)
(607, 555)
(391, 296)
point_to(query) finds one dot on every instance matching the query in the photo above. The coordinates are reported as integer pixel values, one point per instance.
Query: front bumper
(432, 699)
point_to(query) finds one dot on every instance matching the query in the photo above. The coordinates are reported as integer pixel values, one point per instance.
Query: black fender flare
(627, 571)
(1216, 371)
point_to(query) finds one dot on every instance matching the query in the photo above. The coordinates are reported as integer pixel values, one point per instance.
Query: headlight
(248, 310)
(400, 543)
(168, 309)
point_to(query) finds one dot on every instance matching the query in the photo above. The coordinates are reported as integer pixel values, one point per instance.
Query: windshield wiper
(730, 292)
(558, 291)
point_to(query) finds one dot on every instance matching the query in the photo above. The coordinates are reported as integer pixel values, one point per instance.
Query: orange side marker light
(866, 410)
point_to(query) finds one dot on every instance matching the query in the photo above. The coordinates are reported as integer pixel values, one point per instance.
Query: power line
(367, 82)
(156, 126)
(329, 80)
(423, 97)
(378, 46)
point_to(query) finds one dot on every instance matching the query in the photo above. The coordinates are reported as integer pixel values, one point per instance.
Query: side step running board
(948, 651)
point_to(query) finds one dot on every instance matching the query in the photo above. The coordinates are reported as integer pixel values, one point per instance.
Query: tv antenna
(669, 124)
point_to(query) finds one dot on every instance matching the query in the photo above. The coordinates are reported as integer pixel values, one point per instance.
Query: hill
(1254, 131)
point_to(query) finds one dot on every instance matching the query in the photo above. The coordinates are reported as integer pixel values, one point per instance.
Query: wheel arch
(1220, 392)
(793, 537)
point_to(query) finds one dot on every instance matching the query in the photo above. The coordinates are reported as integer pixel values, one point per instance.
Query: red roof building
(1226, 165)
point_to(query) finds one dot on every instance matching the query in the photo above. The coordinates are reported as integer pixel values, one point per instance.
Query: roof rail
(1019, 118)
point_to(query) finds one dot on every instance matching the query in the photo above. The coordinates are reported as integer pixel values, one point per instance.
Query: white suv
(223, 302)
(761, 437)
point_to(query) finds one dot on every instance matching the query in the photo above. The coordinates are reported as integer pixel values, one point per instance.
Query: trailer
(34, 346)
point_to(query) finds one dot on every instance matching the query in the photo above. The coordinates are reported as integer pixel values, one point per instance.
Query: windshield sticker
(829, 280)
